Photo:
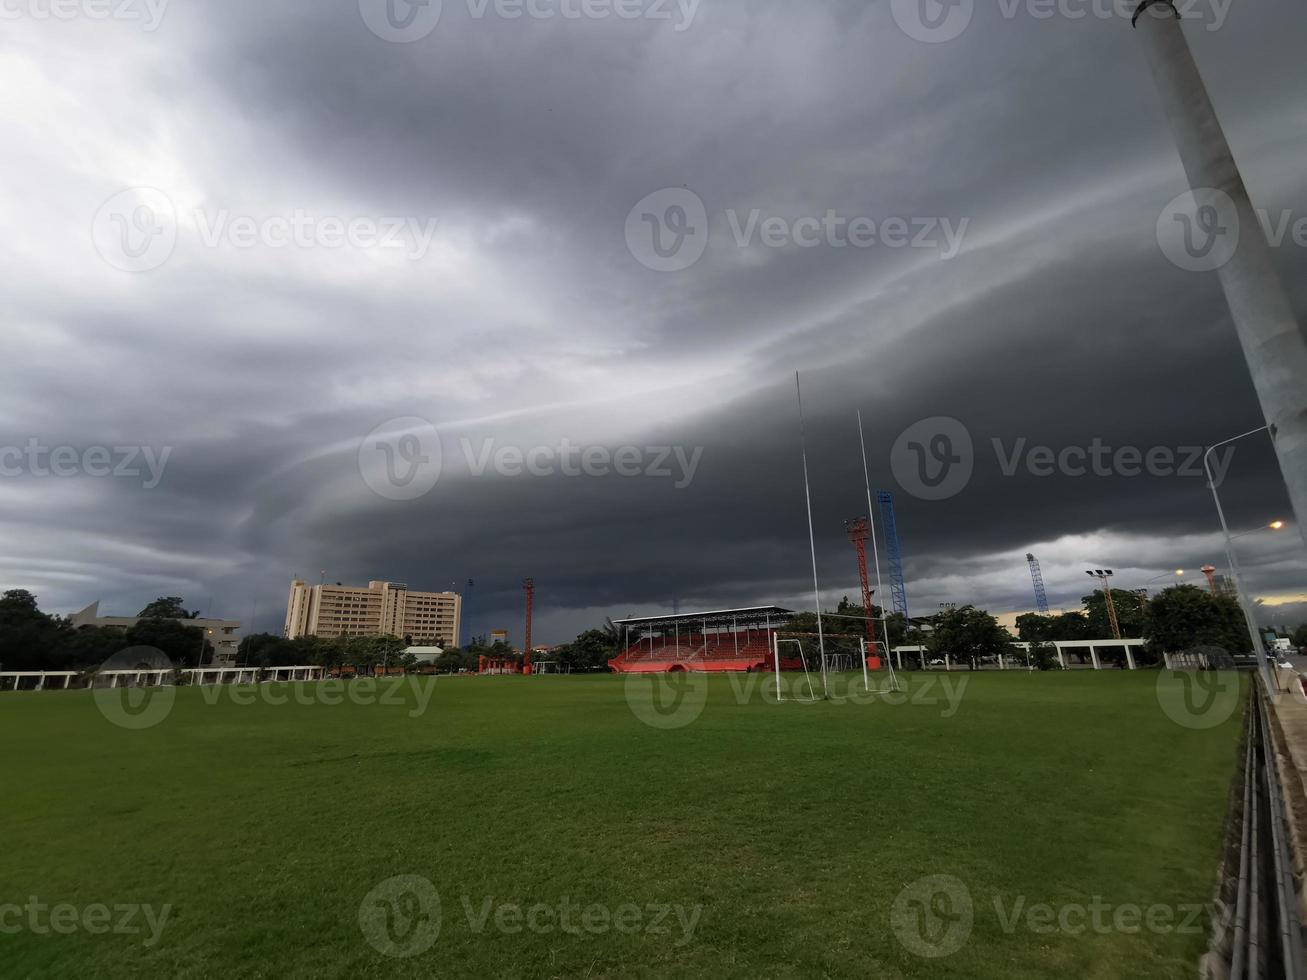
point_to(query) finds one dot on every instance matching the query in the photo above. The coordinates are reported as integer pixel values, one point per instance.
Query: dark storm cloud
(1059, 323)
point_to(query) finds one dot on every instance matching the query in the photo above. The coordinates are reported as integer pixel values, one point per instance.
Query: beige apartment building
(381, 609)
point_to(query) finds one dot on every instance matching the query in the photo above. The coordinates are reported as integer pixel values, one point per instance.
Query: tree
(167, 607)
(591, 650)
(1300, 636)
(1185, 616)
(186, 646)
(969, 634)
(1034, 628)
(1129, 614)
(29, 639)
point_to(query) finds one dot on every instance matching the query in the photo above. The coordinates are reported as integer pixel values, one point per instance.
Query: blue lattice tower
(897, 589)
(1041, 597)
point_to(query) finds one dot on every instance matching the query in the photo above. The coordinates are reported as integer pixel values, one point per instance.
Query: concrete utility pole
(1272, 340)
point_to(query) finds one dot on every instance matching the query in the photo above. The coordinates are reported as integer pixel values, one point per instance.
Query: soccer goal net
(789, 654)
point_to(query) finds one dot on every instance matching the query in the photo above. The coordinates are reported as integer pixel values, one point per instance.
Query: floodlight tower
(859, 530)
(897, 589)
(1041, 597)
(1104, 575)
(529, 587)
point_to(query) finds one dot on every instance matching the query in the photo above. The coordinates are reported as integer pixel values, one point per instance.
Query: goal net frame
(777, 640)
(893, 687)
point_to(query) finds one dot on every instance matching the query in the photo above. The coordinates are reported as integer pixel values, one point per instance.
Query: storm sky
(173, 188)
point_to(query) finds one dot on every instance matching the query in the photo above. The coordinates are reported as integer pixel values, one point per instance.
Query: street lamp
(1178, 573)
(1273, 526)
(1103, 574)
(1234, 562)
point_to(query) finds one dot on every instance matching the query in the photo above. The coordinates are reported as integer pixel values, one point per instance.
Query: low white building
(223, 634)
(425, 655)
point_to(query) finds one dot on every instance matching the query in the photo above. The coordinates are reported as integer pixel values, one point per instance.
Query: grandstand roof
(746, 616)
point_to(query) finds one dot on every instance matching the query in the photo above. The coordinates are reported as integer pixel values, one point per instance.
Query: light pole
(1103, 575)
(1240, 593)
(1272, 339)
(1273, 526)
(1178, 573)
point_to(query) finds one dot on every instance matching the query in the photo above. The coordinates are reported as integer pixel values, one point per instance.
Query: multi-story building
(222, 634)
(381, 609)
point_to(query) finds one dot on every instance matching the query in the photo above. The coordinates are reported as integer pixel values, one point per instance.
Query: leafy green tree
(1300, 636)
(1034, 628)
(1185, 616)
(968, 634)
(1129, 614)
(589, 651)
(185, 646)
(167, 607)
(29, 639)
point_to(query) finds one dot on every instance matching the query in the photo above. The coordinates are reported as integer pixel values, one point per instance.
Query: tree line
(33, 640)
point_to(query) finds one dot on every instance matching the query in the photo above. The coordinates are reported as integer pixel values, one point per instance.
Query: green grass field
(777, 837)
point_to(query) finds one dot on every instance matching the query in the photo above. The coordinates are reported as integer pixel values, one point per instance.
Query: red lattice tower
(528, 586)
(859, 531)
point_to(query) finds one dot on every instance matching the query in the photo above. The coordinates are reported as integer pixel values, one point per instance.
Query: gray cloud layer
(529, 322)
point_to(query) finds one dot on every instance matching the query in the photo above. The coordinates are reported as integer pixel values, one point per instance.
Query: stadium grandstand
(723, 640)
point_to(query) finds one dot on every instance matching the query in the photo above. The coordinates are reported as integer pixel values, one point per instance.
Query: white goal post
(803, 658)
(893, 687)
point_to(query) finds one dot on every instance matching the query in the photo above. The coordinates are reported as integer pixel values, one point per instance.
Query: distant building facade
(380, 609)
(223, 634)
(498, 636)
